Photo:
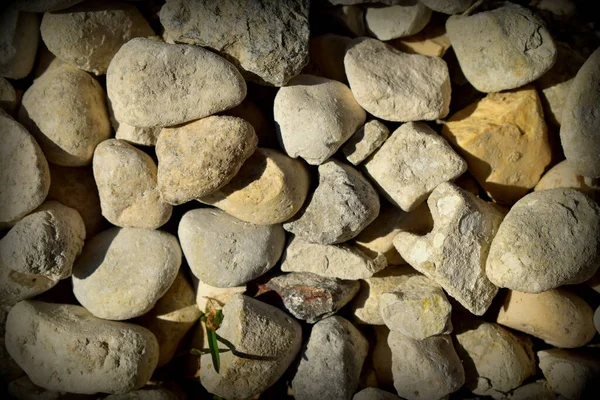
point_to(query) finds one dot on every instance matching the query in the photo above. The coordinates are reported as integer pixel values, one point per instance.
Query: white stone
(209, 296)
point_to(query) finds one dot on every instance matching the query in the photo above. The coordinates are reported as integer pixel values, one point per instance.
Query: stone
(65, 110)
(350, 17)
(381, 357)
(257, 329)
(431, 41)
(24, 174)
(314, 116)
(332, 261)
(372, 393)
(548, 239)
(8, 96)
(24, 389)
(365, 141)
(136, 135)
(152, 84)
(63, 347)
(311, 297)
(145, 394)
(216, 297)
(454, 253)
(573, 374)
(342, 205)
(19, 38)
(504, 140)
(417, 308)
(326, 55)
(448, 6)
(172, 317)
(46, 242)
(44, 5)
(558, 317)
(411, 163)
(563, 176)
(15, 286)
(269, 189)
(73, 35)
(244, 35)
(331, 363)
(223, 251)
(9, 369)
(559, 9)
(127, 185)
(579, 131)
(264, 127)
(405, 19)
(501, 49)
(384, 81)
(537, 390)
(109, 291)
(201, 157)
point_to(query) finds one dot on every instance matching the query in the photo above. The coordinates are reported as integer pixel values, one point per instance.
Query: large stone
(198, 158)
(504, 140)
(254, 328)
(454, 253)
(19, 38)
(331, 363)
(574, 374)
(245, 34)
(448, 6)
(44, 5)
(397, 21)
(365, 141)
(384, 81)
(580, 129)
(501, 49)
(563, 176)
(374, 394)
(548, 239)
(314, 116)
(8, 96)
(151, 84)
(107, 289)
(65, 348)
(137, 135)
(411, 163)
(223, 251)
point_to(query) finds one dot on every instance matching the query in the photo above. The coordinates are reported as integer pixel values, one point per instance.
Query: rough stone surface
(136, 135)
(198, 158)
(8, 96)
(454, 253)
(333, 261)
(253, 328)
(65, 110)
(15, 286)
(501, 49)
(269, 189)
(374, 394)
(326, 54)
(448, 6)
(397, 21)
(152, 84)
(384, 80)
(504, 140)
(425, 369)
(216, 297)
(44, 5)
(580, 129)
(64, 348)
(411, 163)
(548, 239)
(314, 116)
(19, 38)
(563, 176)
(365, 141)
(126, 180)
(223, 251)
(311, 297)
(24, 174)
(90, 34)
(145, 394)
(342, 205)
(331, 363)
(571, 373)
(108, 290)
(558, 317)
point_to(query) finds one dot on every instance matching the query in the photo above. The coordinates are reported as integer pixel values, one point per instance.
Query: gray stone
(365, 141)
(405, 19)
(19, 38)
(374, 394)
(573, 374)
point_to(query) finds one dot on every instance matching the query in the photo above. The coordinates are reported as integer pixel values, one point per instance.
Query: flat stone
(326, 56)
(397, 21)
(365, 141)
(501, 49)
(45, 5)
(411, 163)
(573, 374)
(384, 80)
(448, 6)
(19, 38)
(372, 393)
(8, 96)
(538, 390)
(504, 140)
(207, 295)
(563, 176)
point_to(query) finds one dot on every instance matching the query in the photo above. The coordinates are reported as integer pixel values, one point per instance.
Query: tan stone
(574, 374)
(503, 138)
(431, 41)
(563, 176)
(216, 297)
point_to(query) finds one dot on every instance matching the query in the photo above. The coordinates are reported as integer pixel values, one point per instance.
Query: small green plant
(212, 319)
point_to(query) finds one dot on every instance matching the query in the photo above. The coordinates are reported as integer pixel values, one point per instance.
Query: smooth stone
(326, 56)
(365, 141)
(44, 5)
(448, 6)
(372, 393)
(386, 23)
(538, 390)
(573, 374)
(136, 135)
(8, 96)
(563, 176)
(19, 38)
(209, 296)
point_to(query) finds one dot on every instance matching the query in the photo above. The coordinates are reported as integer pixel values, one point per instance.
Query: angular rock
(312, 297)
(152, 84)
(384, 80)
(448, 6)
(580, 129)
(109, 291)
(331, 363)
(397, 21)
(257, 329)
(411, 163)
(558, 317)
(127, 185)
(332, 261)
(326, 54)
(65, 110)
(198, 158)
(374, 394)
(145, 394)
(44, 5)
(207, 295)
(538, 390)
(137, 135)
(563, 176)
(342, 205)
(19, 38)
(269, 189)
(548, 239)
(314, 116)
(573, 374)
(501, 49)
(8, 96)
(454, 253)
(223, 251)
(365, 141)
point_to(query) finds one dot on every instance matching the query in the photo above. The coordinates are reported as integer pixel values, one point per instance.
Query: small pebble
(365, 141)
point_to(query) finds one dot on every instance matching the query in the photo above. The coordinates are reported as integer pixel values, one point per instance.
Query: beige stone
(15, 286)
(574, 374)
(365, 141)
(431, 41)
(8, 96)
(137, 135)
(558, 317)
(404, 19)
(210, 296)
(563, 176)
(538, 390)
(504, 140)
(19, 38)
